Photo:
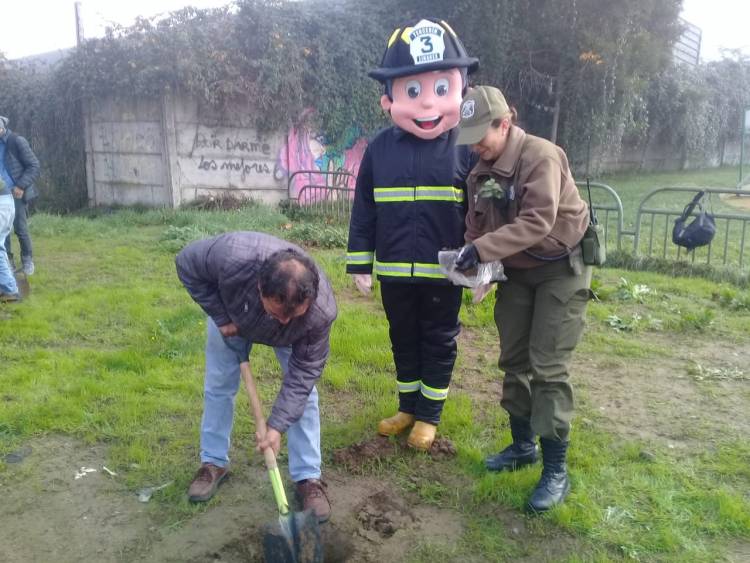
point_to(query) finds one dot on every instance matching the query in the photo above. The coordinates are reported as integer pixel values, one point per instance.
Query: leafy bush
(732, 299)
(321, 235)
(175, 239)
(699, 321)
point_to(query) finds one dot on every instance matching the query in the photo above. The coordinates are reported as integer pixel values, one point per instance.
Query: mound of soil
(382, 515)
(357, 456)
(442, 448)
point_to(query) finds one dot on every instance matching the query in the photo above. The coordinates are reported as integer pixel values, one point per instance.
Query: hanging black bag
(593, 248)
(698, 232)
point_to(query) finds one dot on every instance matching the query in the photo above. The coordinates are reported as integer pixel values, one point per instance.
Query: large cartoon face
(426, 104)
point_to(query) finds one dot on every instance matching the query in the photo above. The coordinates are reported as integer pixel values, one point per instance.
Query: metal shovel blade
(295, 539)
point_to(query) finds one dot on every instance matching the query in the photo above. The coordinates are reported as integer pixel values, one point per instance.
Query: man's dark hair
(289, 277)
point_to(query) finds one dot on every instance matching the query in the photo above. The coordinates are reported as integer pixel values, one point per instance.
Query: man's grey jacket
(221, 275)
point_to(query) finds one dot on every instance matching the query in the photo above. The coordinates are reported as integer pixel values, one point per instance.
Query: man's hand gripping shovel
(296, 536)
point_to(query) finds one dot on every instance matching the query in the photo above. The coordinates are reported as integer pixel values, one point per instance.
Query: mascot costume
(409, 204)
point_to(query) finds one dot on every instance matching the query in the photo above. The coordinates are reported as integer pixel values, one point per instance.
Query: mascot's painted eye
(442, 86)
(413, 88)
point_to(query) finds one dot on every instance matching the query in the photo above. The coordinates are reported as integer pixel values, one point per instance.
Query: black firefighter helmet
(424, 46)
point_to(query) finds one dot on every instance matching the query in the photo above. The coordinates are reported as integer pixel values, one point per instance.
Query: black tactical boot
(523, 451)
(554, 485)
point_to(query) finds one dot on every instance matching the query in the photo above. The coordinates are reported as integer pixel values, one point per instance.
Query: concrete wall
(223, 152)
(125, 153)
(658, 158)
(170, 151)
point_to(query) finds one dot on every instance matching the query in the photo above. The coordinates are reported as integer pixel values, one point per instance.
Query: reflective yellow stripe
(434, 394)
(439, 193)
(405, 269)
(419, 193)
(408, 386)
(428, 271)
(399, 269)
(388, 195)
(360, 257)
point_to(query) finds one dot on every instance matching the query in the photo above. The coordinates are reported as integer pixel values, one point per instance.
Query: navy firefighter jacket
(409, 203)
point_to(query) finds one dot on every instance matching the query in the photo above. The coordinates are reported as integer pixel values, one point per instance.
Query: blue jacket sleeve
(360, 251)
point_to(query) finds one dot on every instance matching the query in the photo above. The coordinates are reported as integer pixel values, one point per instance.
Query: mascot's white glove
(363, 283)
(481, 292)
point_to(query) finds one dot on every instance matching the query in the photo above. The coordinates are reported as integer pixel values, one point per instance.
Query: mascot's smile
(428, 123)
(425, 104)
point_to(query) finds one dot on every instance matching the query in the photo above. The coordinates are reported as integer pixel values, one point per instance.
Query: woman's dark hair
(513, 118)
(289, 277)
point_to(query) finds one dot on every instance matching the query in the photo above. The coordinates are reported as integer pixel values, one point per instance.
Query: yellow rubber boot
(395, 424)
(422, 436)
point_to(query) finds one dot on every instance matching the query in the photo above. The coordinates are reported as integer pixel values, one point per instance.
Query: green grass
(110, 346)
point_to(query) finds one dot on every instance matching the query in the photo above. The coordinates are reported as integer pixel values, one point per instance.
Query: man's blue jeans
(223, 358)
(21, 228)
(7, 212)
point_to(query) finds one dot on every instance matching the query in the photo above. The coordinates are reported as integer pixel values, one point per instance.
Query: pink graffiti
(306, 150)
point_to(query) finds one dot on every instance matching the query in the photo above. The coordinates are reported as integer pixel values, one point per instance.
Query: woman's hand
(467, 258)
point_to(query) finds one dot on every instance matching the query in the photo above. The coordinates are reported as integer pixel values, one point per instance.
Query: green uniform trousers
(539, 314)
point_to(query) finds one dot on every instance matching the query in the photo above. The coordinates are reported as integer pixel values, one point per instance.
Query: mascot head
(424, 71)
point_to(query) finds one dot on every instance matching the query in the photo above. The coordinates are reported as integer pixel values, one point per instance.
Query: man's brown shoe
(206, 482)
(311, 493)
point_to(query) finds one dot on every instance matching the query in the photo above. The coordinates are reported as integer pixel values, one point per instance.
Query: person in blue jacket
(409, 203)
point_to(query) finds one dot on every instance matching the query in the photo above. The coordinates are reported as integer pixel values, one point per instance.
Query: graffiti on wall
(234, 154)
(308, 149)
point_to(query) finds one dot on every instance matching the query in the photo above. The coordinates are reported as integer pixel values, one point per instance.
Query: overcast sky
(724, 23)
(38, 26)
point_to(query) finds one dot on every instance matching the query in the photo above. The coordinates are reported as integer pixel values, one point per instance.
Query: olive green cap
(480, 107)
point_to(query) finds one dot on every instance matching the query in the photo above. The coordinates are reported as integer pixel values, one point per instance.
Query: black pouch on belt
(593, 249)
(592, 245)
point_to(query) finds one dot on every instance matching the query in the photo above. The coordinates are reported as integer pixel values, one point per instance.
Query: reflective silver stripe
(384, 195)
(360, 257)
(408, 386)
(428, 270)
(434, 394)
(441, 193)
(393, 268)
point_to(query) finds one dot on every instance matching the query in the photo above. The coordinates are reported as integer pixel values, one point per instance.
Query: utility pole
(79, 24)
(743, 135)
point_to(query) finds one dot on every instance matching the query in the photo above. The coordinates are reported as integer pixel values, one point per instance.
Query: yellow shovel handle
(260, 427)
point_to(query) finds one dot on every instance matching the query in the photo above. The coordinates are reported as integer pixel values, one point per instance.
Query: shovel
(296, 536)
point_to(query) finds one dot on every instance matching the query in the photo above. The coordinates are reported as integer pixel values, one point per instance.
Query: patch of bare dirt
(739, 202)
(50, 515)
(381, 515)
(476, 373)
(662, 400)
(738, 552)
(657, 399)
